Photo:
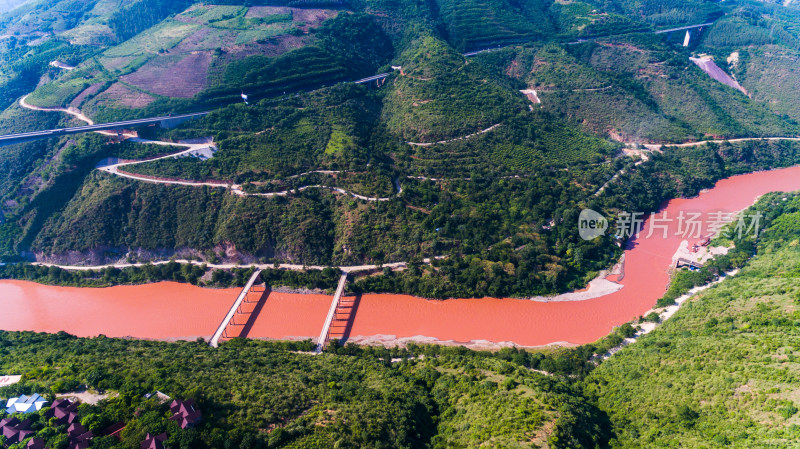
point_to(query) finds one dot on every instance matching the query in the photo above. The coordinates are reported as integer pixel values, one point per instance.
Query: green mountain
(469, 167)
(721, 372)
(490, 125)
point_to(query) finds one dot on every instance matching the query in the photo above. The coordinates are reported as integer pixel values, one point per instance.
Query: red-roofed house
(64, 410)
(15, 430)
(35, 443)
(154, 442)
(185, 413)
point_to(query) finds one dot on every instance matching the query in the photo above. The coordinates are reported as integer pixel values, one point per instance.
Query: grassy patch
(338, 141)
(161, 37)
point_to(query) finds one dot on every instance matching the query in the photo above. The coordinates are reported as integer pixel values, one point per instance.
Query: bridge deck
(48, 133)
(323, 336)
(689, 27)
(242, 295)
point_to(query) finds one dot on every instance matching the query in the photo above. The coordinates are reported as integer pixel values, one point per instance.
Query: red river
(172, 311)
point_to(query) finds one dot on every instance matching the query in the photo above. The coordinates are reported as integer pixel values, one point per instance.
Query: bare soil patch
(121, 95)
(164, 75)
(206, 39)
(313, 17)
(85, 396)
(275, 46)
(91, 90)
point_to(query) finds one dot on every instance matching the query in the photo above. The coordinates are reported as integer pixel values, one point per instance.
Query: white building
(25, 404)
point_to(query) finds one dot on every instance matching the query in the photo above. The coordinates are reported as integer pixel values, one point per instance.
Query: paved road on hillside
(45, 134)
(9, 139)
(35, 135)
(689, 27)
(659, 146)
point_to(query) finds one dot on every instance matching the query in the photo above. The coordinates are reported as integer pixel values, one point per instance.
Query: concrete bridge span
(165, 122)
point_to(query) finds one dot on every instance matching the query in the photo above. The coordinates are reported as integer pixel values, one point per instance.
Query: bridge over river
(255, 294)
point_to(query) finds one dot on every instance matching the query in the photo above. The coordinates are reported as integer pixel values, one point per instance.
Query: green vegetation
(476, 23)
(440, 96)
(258, 394)
(253, 148)
(171, 271)
(719, 373)
(638, 89)
(663, 13)
(495, 188)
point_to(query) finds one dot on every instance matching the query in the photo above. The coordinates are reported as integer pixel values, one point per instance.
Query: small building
(77, 432)
(64, 410)
(687, 263)
(15, 430)
(154, 441)
(25, 404)
(185, 413)
(35, 443)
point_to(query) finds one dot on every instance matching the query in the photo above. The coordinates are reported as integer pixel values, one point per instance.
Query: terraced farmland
(191, 52)
(477, 23)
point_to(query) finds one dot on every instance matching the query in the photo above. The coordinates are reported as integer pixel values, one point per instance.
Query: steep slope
(722, 371)
(259, 394)
(443, 157)
(439, 95)
(664, 13)
(471, 24)
(210, 54)
(639, 89)
(760, 46)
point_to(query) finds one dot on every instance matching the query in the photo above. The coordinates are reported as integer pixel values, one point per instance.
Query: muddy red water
(169, 310)
(163, 311)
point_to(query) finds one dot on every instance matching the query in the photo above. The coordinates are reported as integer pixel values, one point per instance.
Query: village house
(154, 442)
(15, 430)
(185, 413)
(25, 404)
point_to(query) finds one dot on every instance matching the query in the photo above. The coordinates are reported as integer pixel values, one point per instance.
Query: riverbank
(150, 311)
(664, 313)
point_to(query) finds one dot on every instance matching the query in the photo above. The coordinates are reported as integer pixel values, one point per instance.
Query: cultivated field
(173, 75)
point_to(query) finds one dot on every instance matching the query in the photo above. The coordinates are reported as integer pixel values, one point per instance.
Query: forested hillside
(266, 395)
(444, 157)
(721, 372)
(638, 89)
(493, 123)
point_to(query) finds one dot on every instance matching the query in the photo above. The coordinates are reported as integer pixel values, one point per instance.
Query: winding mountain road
(207, 150)
(71, 111)
(457, 139)
(191, 149)
(658, 147)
